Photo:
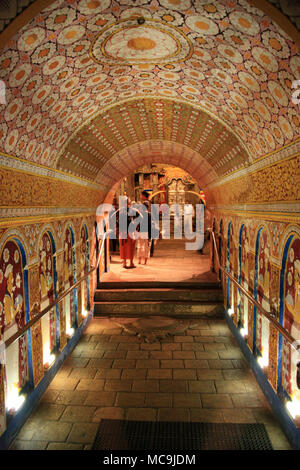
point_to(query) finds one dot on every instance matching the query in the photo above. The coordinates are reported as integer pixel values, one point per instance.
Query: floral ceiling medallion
(132, 41)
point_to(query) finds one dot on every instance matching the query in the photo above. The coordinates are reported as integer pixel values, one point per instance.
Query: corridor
(192, 372)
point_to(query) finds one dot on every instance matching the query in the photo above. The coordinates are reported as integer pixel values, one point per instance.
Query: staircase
(173, 299)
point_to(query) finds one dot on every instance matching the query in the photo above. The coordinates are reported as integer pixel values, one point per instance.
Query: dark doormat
(146, 435)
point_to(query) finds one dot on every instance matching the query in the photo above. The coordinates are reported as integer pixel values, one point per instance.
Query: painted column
(36, 330)
(251, 265)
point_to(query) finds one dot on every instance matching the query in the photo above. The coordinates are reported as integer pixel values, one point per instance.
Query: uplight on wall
(48, 357)
(244, 332)
(84, 313)
(263, 360)
(69, 332)
(293, 406)
(14, 400)
(230, 311)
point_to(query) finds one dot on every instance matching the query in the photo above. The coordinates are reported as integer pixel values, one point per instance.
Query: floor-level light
(263, 360)
(69, 331)
(293, 406)
(230, 311)
(14, 400)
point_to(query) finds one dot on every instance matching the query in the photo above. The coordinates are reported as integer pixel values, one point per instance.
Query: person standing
(144, 237)
(188, 219)
(126, 240)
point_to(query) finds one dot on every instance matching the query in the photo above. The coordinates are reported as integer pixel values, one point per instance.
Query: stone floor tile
(134, 373)
(159, 374)
(78, 414)
(115, 354)
(108, 412)
(63, 384)
(206, 355)
(52, 431)
(100, 363)
(137, 354)
(158, 400)
(127, 346)
(230, 386)
(173, 414)
(151, 346)
(184, 374)
(118, 385)
(108, 374)
(183, 339)
(209, 374)
(238, 416)
(240, 364)
(130, 400)
(236, 374)
(278, 439)
(184, 355)
(213, 400)
(84, 372)
(124, 364)
(83, 433)
(214, 346)
(206, 415)
(192, 347)
(203, 386)
(48, 412)
(231, 354)
(18, 444)
(50, 396)
(171, 347)
(64, 446)
(100, 398)
(247, 400)
(72, 397)
(147, 364)
(188, 400)
(196, 364)
(76, 362)
(91, 385)
(172, 364)
(220, 364)
(106, 346)
(141, 414)
(173, 386)
(145, 386)
(160, 355)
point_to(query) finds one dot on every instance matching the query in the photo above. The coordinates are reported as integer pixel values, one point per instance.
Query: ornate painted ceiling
(91, 84)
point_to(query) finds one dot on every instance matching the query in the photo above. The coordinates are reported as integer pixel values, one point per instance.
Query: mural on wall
(291, 316)
(243, 275)
(85, 267)
(263, 292)
(46, 284)
(12, 316)
(69, 279)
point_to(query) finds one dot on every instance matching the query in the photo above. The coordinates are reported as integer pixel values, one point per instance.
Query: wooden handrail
(39, 315)
(269, 315)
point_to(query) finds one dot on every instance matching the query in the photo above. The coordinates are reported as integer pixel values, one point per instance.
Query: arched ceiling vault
(89, 87)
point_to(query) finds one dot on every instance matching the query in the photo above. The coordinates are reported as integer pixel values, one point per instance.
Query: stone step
(178, 309)
(181, 285)
(162, 294)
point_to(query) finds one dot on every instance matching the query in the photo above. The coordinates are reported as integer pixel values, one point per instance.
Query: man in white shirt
(188, 219)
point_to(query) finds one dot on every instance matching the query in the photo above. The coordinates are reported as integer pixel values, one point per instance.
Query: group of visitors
(136, 238)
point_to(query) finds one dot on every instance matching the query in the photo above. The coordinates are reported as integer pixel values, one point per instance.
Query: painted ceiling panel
(86, 79)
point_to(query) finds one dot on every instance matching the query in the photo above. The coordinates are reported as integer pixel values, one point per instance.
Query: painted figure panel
(291, 319)
(12, 317)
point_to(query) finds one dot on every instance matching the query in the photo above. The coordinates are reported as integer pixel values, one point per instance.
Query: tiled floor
(196, 375)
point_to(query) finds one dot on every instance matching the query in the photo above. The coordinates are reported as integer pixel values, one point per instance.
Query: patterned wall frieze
(234, 62)
(17, 164)
(34, 191)
(288, 152)
(275, 183)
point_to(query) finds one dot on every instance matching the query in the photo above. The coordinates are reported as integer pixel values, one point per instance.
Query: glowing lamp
(263, 360)
(244, 332)
(14, 400)
(230, 311)
(69, 332)
(293, 406)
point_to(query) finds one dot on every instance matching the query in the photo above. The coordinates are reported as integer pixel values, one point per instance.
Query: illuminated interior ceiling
(94, 86)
